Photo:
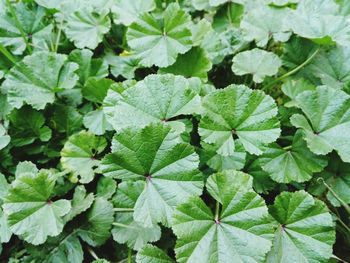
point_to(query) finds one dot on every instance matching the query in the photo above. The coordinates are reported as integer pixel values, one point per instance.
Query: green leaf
(152, 254)
(88, 66)
(79, 155)
(332, 67)
(241, 231)
(28, 125)
(159, 41)
(320, 21)
(30, 212)
(96, 122)
(258, 62)
(274, 24)
(337, 177)
(157, 98)
(262, 182)
(296, 164)
(66, 119)
(219, 162)
(37, 78)
(306, 229)
(30, 20)
(166, 166)
(106, 187)
(194, 63)
(126, 229)
(238, 111)
(85, 25)
(80, 203)
(5, 232)
(123, 65)
(4, 138)
(68, 250)
(328, 113)
(126, 12)
(96, 230)
(292, 88)
(96, 89)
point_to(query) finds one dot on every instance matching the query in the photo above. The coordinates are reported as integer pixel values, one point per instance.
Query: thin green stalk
(287, 147)
(19, 26)
(344, 204)
(293, 71)
(120, 209)
(7, 54)
(217, 211)
(92, 253)
(129, 255)
(58, 37)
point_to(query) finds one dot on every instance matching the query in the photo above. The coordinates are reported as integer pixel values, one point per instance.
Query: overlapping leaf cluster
(209, 131)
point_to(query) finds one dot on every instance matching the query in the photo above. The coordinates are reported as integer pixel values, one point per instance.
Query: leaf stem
(19, 26)
(7, 54)
(92, 253)
(293, 71)
(129, 255)
(217, 211)
(287, 147)
(121, 209)
(58, 37)
(344, 204)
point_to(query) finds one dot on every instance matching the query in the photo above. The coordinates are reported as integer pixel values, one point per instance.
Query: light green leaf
(157, 98)
(31, 21)
(219, 162)
(283, 2)
(167, 167)
(262, 182)
(126, 12)
(4, 138)
(258, 62)
(320, 21)
(86, 26)
(305, 232)
(126, 229)
(96, 89)
(194, 63)
(96, 230)
(79, 155)
(96, 122)
(242, 230)
(5, 232)
(80, 203)
(292, 88)
(332, 67)
(29, 210)
(159, 41)
(123, 65)
(296, 164)
(273, 24)
(238, 111)
(152, 254)
(106, 187)
(328, 112)
(37, 78)
(88, 66)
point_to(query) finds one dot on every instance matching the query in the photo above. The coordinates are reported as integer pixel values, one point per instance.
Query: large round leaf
(328, 124)
(29, 209)
(240, 232)
(37, 78)
(79, 155)
(159, 41)
(296, 164)
(167, 167)
(306, 231)
(238, 111)
(157, 98)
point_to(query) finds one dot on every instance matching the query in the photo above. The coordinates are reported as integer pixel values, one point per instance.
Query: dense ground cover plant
(200, 131)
